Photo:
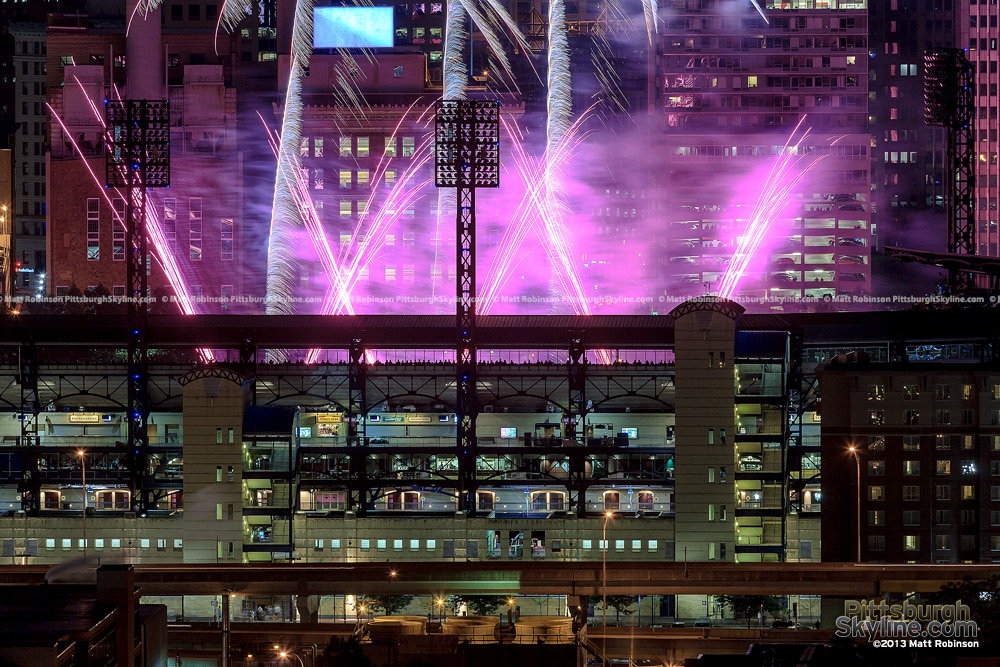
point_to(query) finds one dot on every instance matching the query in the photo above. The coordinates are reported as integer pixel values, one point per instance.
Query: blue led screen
(352, 27)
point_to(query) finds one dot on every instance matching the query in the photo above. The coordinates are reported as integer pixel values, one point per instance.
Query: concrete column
(705, 431)
(308, 608)
(116, 586)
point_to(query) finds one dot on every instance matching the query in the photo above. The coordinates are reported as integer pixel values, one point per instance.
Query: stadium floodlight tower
(138, 159)
(949, 102)
(466, 157)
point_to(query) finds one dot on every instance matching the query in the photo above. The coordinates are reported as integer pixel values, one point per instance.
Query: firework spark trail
(403, 195)
(559, 103)
(760, 11)
(385, 161)
(281, 256)
(456, 81)
(786, 174)
(299, 189)
(161, 248)
(536, 210)
(536, 176)
(651, 10)
(490, 17)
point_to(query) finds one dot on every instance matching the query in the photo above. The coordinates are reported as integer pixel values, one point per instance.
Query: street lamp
(604, 574)
(857, 464)
(440, 606)
(388, 605)
(83, 468)
(285, 654)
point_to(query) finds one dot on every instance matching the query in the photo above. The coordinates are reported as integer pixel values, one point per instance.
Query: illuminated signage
(84, 418)
(352, 27)
(330, 418)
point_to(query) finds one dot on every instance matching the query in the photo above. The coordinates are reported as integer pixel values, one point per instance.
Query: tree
(983, 600)
(478, 605)
(390, 604)
(343, 653)
(751, 605)
(622, 604)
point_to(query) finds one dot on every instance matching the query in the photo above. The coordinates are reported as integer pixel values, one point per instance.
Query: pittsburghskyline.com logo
(908, 625)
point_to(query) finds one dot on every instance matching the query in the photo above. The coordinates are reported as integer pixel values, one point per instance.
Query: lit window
(93, 230)
(363, 147)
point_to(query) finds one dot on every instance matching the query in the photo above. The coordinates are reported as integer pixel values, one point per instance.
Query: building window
(968, 517)
(485, 500)
(911, 518)
(911, 543)
(943, 492)
(93, 230)
(408, 146)
(118, 230)
(968, 542)
(995, 493)
(876, 517)
(645, 500)
(876, 443)
(942, 416)
(911, 417)
(876, 542)
(876, 468)
(942, 442)
(194, 230)
(942, 542)
(876, 493)
(318, 147)
(911, 468)
(969, 492)
(390, 146)
(876, 417)
(942, 467)
(911, 443)
(942, 391)
(612, 501)
(942, 517)
(547, 501)
(876, 392)
(911, 392)
(227, 239)
(170, 218)
(911, 492)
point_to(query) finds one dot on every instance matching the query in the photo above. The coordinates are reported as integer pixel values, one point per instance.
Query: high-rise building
(983, 36)
(909, 184)
(916, 450)
(30, 117)
(734, 90)
(202, 228)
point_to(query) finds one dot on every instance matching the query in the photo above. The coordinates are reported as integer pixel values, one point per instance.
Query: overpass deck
(535, 578)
